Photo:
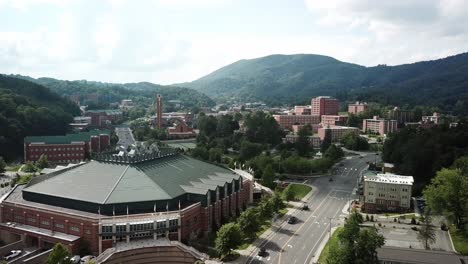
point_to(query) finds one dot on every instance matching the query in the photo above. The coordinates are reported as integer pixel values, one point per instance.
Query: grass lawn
(333, 240)
(460, 241)
(25, 179)
(299, 190)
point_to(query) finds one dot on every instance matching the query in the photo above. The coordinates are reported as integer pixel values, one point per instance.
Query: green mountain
(143, 93)
(295, 78)
(28, 109)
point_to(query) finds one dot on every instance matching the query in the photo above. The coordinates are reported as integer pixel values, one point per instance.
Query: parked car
(292, 220)
(262, 252)
(305, 207)
(330, 179)
(75, 259)
(87, 259)
(13, 254)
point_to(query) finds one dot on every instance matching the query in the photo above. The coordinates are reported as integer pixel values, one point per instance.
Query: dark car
(330, 179)
(305, 207)
(262, 252)
(292, 220)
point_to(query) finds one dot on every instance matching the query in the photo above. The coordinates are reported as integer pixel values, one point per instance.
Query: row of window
(45, 222)
(55, 149)
(60, 155)
(160, 227)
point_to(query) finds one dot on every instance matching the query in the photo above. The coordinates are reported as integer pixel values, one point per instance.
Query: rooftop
(416, 256)
(66, 139)
(390, 178)
(113, 183)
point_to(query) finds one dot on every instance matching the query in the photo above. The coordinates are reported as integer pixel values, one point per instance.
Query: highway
(298, 243)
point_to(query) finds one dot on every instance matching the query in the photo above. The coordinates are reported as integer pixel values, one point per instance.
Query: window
(19, 218)
(31, 220)
(75, 228)
(161, 227)
(45, 222)
(61, 226)
(121, 228)
(173, 223)
(106, 229)
(106, 237)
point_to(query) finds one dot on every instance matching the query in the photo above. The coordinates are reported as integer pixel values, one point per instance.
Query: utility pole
(329, 230)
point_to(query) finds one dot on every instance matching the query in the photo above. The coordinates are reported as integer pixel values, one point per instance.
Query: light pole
(329, 230)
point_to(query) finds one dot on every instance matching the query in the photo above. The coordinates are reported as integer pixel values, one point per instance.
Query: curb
(451, 242)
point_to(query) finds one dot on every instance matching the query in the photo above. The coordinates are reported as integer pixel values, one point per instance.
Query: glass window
(106, 229)
(45, 222)
(61, 226)
(75, 228)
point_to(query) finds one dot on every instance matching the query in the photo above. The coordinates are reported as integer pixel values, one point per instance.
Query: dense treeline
(422, 152)
(28, 109)
(141, 93)
(294, 79)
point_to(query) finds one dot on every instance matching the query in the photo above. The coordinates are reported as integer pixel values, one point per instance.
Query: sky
(174, 41)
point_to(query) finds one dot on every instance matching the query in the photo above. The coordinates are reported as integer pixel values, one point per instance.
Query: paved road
(125, 136)
(298, 243)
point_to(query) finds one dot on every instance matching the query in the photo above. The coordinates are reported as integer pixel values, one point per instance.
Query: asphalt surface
(299, 243)
(125, 136)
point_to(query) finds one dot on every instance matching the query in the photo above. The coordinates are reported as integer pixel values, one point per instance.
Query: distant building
(324, 105)
(126, 104)
(68, 148)
(334, 120)
(387, 193)
(80, 123)
(336, 132)
(433, 119)
(357, 108)
(401, 116)
(314, 141)
(75, 98)
(315, 127)
(103, 117)
(379, 126)
(287, 121)
(302, 110)
(388, 168)
(180, 130)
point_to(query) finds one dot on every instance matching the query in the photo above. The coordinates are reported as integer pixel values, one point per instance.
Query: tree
(228, 237)
(215, 154)
(277, 202)
(249, 221)
(447, 194)
(366, 246)
(426, 233)
(333, 153)
(58, 255)
(136, 112)
(249, 150)
(29, 167)
(303, 144)
(200, 153)
(354, 142)
(2, 165)
(268, 177)
(289, 193)
(326, 141)
(42, 162)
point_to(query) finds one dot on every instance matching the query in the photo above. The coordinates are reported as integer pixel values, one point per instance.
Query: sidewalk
(264, 238)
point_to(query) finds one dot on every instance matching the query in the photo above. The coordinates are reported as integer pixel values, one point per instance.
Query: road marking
(292, 236)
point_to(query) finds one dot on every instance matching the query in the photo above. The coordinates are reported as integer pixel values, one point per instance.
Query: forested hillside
(28, 109)
(293, 79)
(142, 93)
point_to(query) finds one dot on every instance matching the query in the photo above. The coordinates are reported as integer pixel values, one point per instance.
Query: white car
(13, 254)
(87, 259)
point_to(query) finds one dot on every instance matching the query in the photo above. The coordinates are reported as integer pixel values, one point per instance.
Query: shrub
(380, 225)
(394, 220)
(444, 227)
(413, 220)
(367, 218)
(372, 218)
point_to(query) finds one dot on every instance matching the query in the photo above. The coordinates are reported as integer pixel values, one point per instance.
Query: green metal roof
(112, 183)
(66, 139)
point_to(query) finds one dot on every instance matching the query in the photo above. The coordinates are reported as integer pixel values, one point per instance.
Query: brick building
(302, 110)
(401, 116)
(379, 126)
(433, 119)
(387, 193)
(104, 118)
(315, 127)
(115, 200)
(336, 132)
(324, 105)
(357, 108)
(180, 130)
(334, 120)
(68, 148)
(314, 141)
(287, 121)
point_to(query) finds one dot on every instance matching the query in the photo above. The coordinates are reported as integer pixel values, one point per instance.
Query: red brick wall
(88, 228)
(74, 151)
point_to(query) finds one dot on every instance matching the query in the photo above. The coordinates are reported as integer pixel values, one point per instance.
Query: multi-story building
(357, 108)
(334, 120)
(433, 119)
(401, 116)
(287, 121)
(80, 123)
(324, 105)
(379, 126)
(387, 193)
(315, 127)
(126, 104)
(302, 110)
(74, 147)
(112, 201)
(103, 118)
(336, 132)
(314, 141)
